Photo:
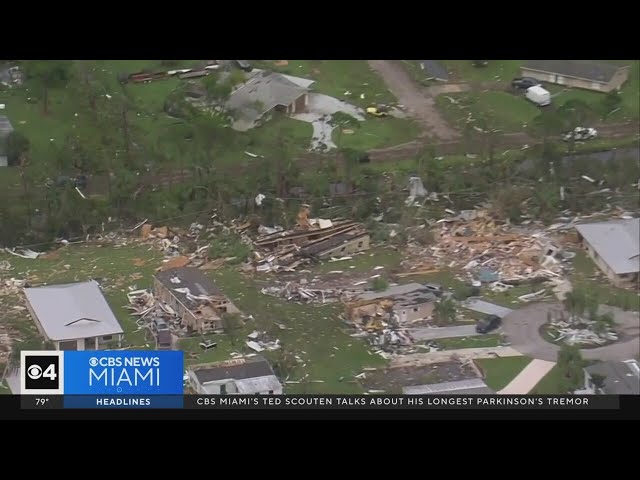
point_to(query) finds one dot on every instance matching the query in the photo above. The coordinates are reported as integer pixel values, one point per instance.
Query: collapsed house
(401, 304)
(488, 251)
(311, 239)
(250, 375)
(194, 298)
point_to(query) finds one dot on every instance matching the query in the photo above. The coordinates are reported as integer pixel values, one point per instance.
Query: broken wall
(352, 246)
(409, 313)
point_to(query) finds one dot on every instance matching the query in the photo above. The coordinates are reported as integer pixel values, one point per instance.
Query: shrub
(379, 284)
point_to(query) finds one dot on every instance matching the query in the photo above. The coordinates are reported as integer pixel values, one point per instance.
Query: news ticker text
(322, 402)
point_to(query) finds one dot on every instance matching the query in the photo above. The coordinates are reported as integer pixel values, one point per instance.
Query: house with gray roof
(614, 246)
(612, 378)
(5, 130)
(250, 375)
(587, 74)
(265, 92)
(473, 386)
(74, 316)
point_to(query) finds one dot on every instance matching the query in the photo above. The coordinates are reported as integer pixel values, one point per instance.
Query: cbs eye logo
(41, 373)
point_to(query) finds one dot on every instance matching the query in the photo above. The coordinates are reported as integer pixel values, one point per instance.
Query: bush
(379, 284)
(463, 292)
(228, 245)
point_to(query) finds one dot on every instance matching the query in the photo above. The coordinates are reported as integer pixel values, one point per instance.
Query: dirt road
(522, 329)
(418, 102)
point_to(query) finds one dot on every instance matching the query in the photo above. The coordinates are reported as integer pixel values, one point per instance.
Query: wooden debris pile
(311, 240)
(488, 251)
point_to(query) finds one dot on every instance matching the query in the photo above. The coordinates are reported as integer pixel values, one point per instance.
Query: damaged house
(74, 316)
(264, 93)
(312, 239)
(408, 303)
(194, 297)
(614, 246)
(251, 375)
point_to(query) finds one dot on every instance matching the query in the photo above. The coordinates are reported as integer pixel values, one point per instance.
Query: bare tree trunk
(45, 99)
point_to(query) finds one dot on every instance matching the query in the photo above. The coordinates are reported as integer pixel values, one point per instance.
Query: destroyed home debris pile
(489, 252)
(259, 341)
(580, 331)
(276, 250)
(293, 292)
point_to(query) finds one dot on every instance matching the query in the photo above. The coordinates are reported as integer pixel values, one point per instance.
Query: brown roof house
(587, 74)
(194, 297)
(74, 316)
(251, 375)
(614, 246)
(265, 92)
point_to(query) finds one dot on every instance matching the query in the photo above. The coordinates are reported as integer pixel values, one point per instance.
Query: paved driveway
(522, 329)
(433, 333)
(419, 104)
(528, 378)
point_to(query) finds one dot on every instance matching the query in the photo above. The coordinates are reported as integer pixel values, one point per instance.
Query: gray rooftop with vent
(583, 69)
(71, 311)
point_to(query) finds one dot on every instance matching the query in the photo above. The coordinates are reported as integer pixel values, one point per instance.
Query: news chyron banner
(105, 379)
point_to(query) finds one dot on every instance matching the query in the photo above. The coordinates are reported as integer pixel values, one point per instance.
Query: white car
(580, 133)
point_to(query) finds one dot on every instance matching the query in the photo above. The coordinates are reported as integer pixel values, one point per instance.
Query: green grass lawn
(498, 372)
(510, 112)
(377, 133)
(586, 275)
(480, 341)
(329, 357)
(364, 262)
(495, 71)
(336, 77)
(553, 383)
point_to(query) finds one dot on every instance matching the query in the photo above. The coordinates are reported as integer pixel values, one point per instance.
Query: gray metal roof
(396, 290)
(193, 279)
(435, 69)
(617, 242)
(620, 377)
(250, 386)
(473, 386)
(237, 369)
(73, 310)
(263, 92)
(584, 69)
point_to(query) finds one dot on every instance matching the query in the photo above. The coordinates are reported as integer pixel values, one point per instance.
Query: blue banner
(123, 373)
(123, 401)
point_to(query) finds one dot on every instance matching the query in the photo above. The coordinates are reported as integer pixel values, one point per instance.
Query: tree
(575, 303)
(445, 311)
(379, 284)
(17, 146)
(547, 124)
(48, 74)
(342, 120)
(218, 90)
(570, 363)
(610, 103)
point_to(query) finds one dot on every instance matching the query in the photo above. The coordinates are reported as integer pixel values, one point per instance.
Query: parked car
(539, 96)
(244, 65)
(378, 111)
(580, 133)
(488, 323)
(159, 325)
(522, 83)
(435, 288)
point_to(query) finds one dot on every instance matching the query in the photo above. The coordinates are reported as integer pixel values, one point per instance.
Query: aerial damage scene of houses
(303, 244)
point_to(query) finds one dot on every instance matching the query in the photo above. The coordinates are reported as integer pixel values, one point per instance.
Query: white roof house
(246, 376)
(616, 242)
(72, 311)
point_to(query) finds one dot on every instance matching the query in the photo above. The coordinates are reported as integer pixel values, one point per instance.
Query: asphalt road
(522, 329)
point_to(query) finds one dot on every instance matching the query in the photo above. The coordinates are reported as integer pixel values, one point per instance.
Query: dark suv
(522, 83)
(490, 322)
